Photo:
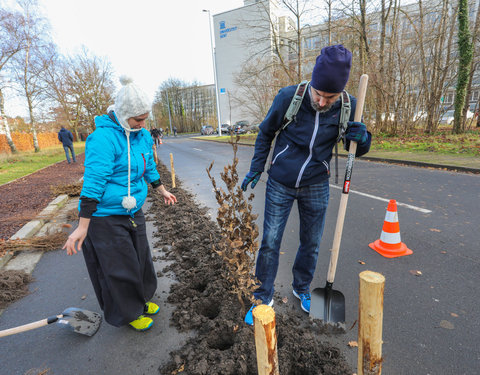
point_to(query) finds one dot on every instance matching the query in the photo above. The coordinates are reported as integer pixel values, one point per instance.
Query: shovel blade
(328, 305)
(81, 321)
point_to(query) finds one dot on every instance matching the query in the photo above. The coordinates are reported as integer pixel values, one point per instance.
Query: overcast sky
(148, 40)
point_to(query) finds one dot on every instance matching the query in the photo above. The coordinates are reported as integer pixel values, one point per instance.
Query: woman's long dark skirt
(120, 266)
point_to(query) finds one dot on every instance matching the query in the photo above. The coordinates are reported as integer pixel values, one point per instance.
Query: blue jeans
(312, 206)
(66, 148)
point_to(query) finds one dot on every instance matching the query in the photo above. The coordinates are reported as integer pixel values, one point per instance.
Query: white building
(234, 30)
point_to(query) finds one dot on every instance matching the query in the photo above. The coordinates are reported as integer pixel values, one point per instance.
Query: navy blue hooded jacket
(303, 150)
(65, 136)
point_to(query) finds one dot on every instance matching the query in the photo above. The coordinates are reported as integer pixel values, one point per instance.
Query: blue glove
(356, 132)
(252, 177)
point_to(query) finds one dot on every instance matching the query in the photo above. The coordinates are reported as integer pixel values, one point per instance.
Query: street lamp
(214, 71)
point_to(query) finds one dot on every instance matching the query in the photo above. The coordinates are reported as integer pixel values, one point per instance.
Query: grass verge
(13, 166)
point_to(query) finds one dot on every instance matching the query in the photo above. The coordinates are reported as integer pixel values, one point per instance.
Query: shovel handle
(30, 326)
(332, 267)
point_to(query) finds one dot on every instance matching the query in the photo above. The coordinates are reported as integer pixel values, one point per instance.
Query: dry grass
(47, 242)
(72, 190)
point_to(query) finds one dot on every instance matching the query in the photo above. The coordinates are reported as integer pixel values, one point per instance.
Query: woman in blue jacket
(111, 231)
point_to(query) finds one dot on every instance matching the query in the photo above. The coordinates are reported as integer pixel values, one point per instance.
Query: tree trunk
(465, 51)
(12, 146)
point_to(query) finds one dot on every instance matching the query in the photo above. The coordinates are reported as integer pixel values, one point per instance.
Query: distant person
(155, 135)
(111, 230)
(174, 130)
(66, 137)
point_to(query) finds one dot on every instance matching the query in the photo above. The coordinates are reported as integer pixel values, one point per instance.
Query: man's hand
(356, 132)
(252, 177)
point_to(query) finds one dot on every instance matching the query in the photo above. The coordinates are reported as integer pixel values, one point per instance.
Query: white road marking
(197, 149)
(422, 210)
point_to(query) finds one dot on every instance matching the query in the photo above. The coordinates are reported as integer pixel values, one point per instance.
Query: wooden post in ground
(173, 170)
(265, 340)
(155, 156)
(370, 323)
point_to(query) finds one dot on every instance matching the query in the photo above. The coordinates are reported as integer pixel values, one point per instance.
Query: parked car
(420, 116)
(207, 130)
(240, 127)
(225, 128)
(448, 116)
(255, 128)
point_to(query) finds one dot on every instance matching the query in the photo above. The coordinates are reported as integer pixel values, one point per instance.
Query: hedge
(24, 141)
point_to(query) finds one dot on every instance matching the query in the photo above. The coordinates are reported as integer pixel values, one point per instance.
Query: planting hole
(220, 340)
(210, 309)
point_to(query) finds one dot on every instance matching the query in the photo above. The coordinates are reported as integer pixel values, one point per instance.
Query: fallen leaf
(235, 329)
(443, 252)
(83, 297)
(454, 315)
(435, 230)
(284, 299)
(353, 344)
(416, 272)
(446, 324)
(66, 225)
(361, 262)
(282, 252)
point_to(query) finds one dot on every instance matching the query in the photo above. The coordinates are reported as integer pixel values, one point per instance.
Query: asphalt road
(431, 323)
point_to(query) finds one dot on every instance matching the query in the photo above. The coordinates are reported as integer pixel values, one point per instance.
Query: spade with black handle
(328, 304)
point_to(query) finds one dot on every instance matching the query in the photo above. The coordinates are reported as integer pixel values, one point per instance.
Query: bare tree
(90, 88)
(11, 44)
(28, 63)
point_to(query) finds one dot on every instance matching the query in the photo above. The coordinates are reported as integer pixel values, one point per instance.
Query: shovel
(79, 320)
(328, 304)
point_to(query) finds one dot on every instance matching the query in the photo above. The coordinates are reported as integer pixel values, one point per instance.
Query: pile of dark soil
(13, 286)
(224, 344)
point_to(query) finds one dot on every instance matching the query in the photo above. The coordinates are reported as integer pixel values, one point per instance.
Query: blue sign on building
(224, 30)
(222, 91)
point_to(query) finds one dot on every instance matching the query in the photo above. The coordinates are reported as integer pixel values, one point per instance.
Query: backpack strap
(342, 126)
(295, 104)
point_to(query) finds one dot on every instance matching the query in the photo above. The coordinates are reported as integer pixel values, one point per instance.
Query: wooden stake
(173, 170)
(370, 323)
(265, 340)
(155, 156)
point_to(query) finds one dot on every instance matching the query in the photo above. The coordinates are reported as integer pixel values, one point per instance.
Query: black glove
(252, 177)
(356, 132)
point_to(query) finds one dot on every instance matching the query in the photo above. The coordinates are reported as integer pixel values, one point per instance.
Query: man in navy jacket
(66, 137)
(300, 170)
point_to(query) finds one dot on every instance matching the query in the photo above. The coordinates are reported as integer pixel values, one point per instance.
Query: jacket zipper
(144, 165)
(281, 152)
(312, 141)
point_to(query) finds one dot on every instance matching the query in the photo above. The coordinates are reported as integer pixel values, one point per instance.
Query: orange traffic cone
(161, 142)
(390, 245)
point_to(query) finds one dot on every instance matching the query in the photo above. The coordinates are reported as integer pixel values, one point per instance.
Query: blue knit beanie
(332, 68)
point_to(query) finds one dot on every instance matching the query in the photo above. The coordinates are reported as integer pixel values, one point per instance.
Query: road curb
(27, 260)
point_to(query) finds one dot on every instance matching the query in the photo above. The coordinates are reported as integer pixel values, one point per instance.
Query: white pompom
(129, 202)
(125, 80)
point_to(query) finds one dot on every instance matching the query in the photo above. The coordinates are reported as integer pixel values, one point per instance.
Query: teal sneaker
(304, 300)
(249, 316)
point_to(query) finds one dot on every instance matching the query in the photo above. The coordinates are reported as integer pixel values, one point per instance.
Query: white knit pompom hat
(130, 101)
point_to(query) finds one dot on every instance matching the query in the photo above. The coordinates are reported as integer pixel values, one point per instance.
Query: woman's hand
(76, 238)
(168, 197)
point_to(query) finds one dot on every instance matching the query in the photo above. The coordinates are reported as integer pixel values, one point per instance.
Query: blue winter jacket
(106, 167)
(65, 136)
(303, 150)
